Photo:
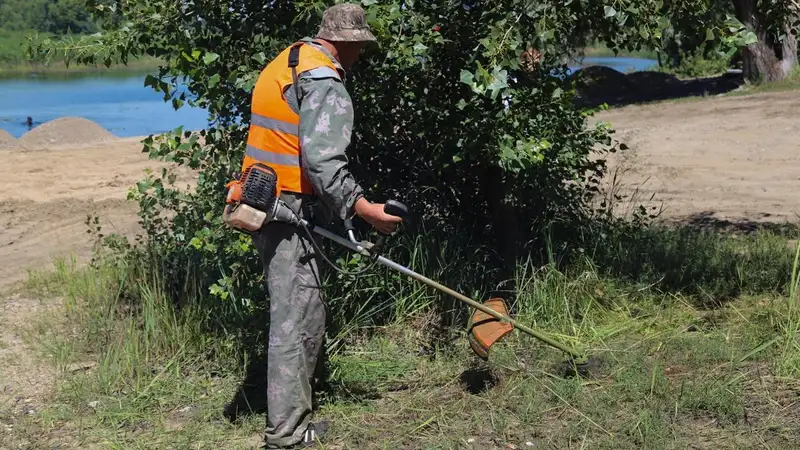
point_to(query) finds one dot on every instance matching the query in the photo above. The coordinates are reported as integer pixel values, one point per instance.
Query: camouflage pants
(296, 330)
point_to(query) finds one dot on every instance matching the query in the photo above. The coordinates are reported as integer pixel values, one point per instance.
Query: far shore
(58, 68)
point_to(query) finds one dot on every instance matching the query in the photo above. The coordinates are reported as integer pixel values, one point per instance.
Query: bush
(699, 63)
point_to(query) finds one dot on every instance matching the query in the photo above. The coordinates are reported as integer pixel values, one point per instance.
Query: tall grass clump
(788, 319)
(383, 296)
(711, 266)
(699, 62)
(133, 331)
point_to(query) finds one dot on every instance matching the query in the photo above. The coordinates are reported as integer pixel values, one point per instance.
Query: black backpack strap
(294, 60)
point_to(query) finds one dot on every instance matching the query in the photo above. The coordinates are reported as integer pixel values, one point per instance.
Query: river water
(125, 107)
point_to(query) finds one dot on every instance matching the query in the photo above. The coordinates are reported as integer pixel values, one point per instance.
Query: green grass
(678, 370)
(601, 50)
(14, 63)
(789, 84)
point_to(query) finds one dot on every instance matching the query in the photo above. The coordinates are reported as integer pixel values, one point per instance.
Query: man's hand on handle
(373, 214)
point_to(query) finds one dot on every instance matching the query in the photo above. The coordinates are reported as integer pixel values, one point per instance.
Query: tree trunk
(768, 59)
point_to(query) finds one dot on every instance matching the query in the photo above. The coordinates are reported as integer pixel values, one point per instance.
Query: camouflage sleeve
(326, 121)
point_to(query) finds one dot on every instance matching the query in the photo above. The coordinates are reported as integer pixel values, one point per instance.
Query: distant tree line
(47, 16)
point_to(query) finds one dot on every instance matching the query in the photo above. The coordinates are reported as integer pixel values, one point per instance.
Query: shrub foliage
(463, 111)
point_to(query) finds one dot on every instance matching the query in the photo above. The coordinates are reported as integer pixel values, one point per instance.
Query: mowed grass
(677, 371)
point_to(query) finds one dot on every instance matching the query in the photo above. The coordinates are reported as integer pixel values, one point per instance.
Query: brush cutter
(490, 322)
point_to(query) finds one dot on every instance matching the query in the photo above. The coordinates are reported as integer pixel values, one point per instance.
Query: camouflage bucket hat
(345, 22)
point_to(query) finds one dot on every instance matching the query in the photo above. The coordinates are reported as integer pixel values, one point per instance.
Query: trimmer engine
(260, 187)
(253, 200)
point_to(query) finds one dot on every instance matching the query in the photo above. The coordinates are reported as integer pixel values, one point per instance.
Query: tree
(773, 55)
(51, 16)
(763, 32)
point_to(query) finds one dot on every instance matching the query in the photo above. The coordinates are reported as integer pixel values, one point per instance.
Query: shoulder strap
(294, 60)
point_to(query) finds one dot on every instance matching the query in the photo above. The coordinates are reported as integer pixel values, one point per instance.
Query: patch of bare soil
(25, 380)
(66, 131)
(772, 408)
(717, 161)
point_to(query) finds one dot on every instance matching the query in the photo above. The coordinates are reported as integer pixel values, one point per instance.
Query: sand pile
(66, 130)
(7, 141)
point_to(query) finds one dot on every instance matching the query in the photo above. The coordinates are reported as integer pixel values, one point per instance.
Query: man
(304, 141)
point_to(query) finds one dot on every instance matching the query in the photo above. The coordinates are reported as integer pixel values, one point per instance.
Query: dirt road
(734, 158)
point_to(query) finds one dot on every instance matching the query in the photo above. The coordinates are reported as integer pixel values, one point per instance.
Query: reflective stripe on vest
(274, 126)
(322, 72)
(272, 157)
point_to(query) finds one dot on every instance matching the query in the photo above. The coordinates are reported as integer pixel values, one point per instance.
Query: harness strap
(294, 60)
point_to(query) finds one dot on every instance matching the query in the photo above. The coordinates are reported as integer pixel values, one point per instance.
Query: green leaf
(196, 243)
(610, 11)
(210, 57)
(499, 82)
(150, 81)
(260, 58)
(467, 77)
(709, 34)
(213, 81)
(142, 186)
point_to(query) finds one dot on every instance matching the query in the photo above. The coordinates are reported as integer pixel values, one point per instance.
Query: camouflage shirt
(326, 123)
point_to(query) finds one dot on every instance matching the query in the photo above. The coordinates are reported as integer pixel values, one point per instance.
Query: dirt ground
(46, 195)
(731, 159)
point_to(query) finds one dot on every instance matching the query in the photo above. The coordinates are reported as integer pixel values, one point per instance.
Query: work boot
(312, 435)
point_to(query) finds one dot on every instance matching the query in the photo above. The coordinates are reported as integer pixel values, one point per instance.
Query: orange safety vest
(273, 134)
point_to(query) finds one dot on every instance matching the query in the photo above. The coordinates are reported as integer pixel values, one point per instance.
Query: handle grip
(395, 208)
